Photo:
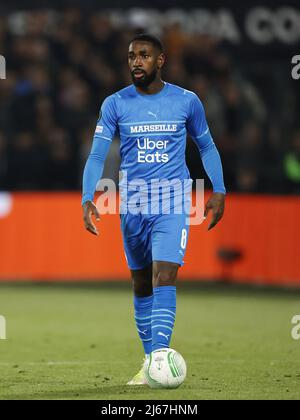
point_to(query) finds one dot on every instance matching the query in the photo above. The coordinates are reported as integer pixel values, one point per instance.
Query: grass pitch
(81, 343)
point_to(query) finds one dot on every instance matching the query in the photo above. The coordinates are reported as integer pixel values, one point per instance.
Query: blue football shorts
(148, 238)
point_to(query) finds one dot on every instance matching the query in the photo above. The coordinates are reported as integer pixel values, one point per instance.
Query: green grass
(81, 343)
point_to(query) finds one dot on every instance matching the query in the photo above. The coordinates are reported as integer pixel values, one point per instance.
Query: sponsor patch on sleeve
(99, 129)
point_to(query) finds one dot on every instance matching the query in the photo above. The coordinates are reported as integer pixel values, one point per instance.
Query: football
(166, 369)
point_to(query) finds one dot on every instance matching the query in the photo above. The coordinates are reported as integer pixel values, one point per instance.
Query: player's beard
(146, 80)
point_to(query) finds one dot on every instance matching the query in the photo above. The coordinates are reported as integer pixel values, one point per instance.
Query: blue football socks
(143, 315)
(163, 316)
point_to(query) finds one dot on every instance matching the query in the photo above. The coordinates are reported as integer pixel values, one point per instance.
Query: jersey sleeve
(104, 133)
(196, 121)
(108, 120)
(198, 129)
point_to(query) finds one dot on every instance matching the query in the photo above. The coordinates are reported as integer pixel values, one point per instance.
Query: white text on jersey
(153, 128)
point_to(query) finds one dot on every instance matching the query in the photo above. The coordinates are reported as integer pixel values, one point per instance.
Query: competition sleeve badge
(99, 128)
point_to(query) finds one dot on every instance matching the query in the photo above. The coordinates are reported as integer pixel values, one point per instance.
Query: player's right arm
(198, 129)
(104, 133)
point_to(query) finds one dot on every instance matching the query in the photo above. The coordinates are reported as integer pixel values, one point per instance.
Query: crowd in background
(60, 67)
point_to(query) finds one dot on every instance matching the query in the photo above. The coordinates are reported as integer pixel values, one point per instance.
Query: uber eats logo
(152, 151)
(2, 67)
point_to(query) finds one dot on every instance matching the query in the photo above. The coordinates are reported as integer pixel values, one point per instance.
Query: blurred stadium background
(62, 59)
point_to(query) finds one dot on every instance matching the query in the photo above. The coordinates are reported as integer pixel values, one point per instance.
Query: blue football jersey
(152, 130)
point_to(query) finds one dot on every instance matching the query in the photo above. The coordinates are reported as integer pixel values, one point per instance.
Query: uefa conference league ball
(166, 369)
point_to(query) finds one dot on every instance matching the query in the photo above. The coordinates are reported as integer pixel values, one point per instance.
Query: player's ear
(161, 60)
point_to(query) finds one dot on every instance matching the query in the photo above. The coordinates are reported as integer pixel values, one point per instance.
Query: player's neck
(155, 87)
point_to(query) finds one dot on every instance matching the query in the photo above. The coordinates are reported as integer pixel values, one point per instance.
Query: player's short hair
(149, 38)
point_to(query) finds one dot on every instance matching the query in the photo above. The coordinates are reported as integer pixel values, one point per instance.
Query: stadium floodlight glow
(2, 67)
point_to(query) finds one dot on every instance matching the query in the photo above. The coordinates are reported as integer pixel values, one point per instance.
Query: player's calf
(143, 300)
(164, 303)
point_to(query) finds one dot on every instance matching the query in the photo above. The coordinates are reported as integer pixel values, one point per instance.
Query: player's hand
(216, 204)
(90, 209)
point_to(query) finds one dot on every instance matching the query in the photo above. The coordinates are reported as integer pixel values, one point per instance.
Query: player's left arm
(199, 131)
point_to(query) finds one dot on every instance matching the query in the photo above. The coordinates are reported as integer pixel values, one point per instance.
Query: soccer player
(152, 118)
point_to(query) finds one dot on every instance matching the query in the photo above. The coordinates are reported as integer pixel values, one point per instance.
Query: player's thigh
(136, 236)
(169, 238)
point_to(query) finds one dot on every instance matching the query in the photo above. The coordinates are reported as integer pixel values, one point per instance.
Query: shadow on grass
(92, 393)
(98, 393)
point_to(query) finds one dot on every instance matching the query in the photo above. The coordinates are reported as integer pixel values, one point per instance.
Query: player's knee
(165, 275)
(142, 288)
(165, 278)
(142, 282)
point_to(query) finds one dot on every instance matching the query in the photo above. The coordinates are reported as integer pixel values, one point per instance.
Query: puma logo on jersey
(152, 113)
(164, 335)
